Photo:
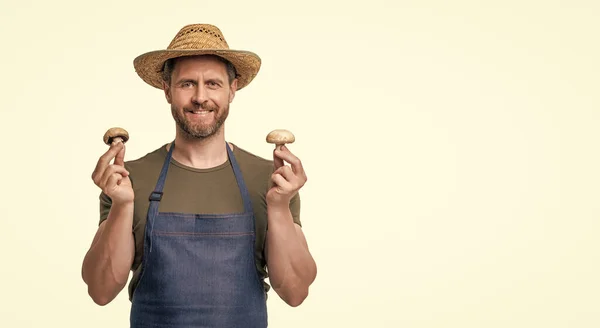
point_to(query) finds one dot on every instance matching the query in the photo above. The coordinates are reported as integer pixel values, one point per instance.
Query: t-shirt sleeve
(295, 208)
(105, 204)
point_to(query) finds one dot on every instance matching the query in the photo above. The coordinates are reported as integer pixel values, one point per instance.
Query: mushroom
(114, 134)
(280, 137)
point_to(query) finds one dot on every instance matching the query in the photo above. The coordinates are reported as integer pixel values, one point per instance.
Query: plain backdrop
(451, 149)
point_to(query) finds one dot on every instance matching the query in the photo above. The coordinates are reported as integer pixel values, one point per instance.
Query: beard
(197, 130)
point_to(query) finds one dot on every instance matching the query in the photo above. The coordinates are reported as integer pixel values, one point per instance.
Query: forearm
(291, 266)
(107, 264)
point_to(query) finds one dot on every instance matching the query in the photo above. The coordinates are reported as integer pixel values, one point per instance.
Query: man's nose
(200, 96)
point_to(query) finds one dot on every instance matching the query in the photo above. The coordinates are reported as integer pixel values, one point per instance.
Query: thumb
(277, 161)
(120, 158)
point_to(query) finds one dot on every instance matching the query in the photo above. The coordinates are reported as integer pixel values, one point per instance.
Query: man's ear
(233, 89)
(167, 91)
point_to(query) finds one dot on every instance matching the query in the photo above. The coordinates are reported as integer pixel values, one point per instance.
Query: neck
(200, 153)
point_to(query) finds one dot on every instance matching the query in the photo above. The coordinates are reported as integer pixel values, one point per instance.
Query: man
(199, 221)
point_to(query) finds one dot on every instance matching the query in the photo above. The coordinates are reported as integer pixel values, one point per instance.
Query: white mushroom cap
(113, 133)
(280, 137)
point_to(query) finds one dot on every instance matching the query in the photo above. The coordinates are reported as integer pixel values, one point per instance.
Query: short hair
(169, 66)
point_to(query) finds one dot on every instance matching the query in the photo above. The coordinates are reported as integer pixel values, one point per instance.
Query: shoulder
(251, 163)
(244, 153)
(256, 170)
(150, 159)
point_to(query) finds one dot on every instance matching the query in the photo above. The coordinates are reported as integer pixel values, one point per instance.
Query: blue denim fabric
(198, 270)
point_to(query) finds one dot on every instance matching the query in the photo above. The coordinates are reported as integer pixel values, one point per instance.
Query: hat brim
(149, 65)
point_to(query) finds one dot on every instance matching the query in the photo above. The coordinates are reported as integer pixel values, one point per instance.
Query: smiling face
(199, 91)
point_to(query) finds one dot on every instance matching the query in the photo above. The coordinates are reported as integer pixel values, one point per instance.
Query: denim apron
(198, 270)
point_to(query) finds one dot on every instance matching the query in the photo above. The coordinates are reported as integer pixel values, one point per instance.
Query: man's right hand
(113, 178)
(107, 263)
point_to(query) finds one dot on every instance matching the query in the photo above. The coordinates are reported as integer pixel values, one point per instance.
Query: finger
(120, 157)
(285, 154)
(105, 159)
(277, 162)
(281, 182)
(286, 172)
(113, 169)
(112, 182)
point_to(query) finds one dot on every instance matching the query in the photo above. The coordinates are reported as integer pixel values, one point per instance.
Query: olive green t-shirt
(205, 191)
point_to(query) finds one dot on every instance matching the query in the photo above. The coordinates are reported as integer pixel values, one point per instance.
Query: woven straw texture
(197, 39)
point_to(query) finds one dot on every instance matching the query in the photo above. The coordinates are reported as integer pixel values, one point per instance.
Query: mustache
(204, 106)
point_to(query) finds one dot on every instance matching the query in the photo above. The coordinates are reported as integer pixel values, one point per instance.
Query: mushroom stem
(116, 139)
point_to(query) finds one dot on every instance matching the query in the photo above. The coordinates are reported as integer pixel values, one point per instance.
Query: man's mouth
(200, 111)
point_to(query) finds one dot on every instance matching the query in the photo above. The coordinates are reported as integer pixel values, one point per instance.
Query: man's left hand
(286, 179)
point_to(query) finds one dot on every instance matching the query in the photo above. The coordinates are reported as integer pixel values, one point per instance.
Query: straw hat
(197, 39)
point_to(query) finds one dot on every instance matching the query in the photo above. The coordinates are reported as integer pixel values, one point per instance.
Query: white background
(451, 149)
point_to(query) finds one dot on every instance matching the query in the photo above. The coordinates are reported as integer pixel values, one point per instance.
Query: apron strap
(156, 195)
(240, 181)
